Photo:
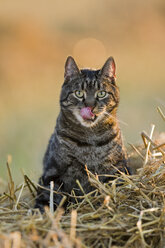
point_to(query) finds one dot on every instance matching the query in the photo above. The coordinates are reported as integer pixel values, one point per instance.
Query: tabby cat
(86, 133)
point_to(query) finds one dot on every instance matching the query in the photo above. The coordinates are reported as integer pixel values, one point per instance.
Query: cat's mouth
(87, 117)
(87, 114)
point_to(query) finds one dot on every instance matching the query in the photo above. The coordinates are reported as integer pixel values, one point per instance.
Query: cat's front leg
(53, 171)
(43, 193)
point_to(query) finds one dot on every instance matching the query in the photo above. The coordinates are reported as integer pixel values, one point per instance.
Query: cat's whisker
(120, 121)
(123, 122)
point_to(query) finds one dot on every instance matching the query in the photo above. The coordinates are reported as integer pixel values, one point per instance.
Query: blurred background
(35, 39)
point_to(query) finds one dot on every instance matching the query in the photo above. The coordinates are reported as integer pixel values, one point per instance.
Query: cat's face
(89, 96)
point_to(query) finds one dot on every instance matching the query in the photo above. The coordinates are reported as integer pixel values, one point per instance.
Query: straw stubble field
(131, 214)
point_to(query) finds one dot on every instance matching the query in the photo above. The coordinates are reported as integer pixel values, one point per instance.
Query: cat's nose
(91, 106)
(90, 102)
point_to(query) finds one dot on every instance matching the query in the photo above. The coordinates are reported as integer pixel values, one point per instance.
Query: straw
(130, 214)
(149, 143)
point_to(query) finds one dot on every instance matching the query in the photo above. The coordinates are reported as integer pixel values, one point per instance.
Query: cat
(86, 133)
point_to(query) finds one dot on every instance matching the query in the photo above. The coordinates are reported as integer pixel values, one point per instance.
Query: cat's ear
(71, 68)
(108, 70)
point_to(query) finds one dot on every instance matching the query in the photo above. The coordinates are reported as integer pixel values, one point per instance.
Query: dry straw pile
(127, 214)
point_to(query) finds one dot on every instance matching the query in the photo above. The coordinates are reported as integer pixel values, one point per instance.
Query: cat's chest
(91, 155)
(92, 150)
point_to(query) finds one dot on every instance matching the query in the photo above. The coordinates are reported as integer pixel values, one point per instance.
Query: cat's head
(89, 96)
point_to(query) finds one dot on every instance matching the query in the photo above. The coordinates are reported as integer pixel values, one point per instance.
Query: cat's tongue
(86, 113)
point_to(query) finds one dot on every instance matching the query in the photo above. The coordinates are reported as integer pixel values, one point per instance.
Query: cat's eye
(79, 93)
(101, 94)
